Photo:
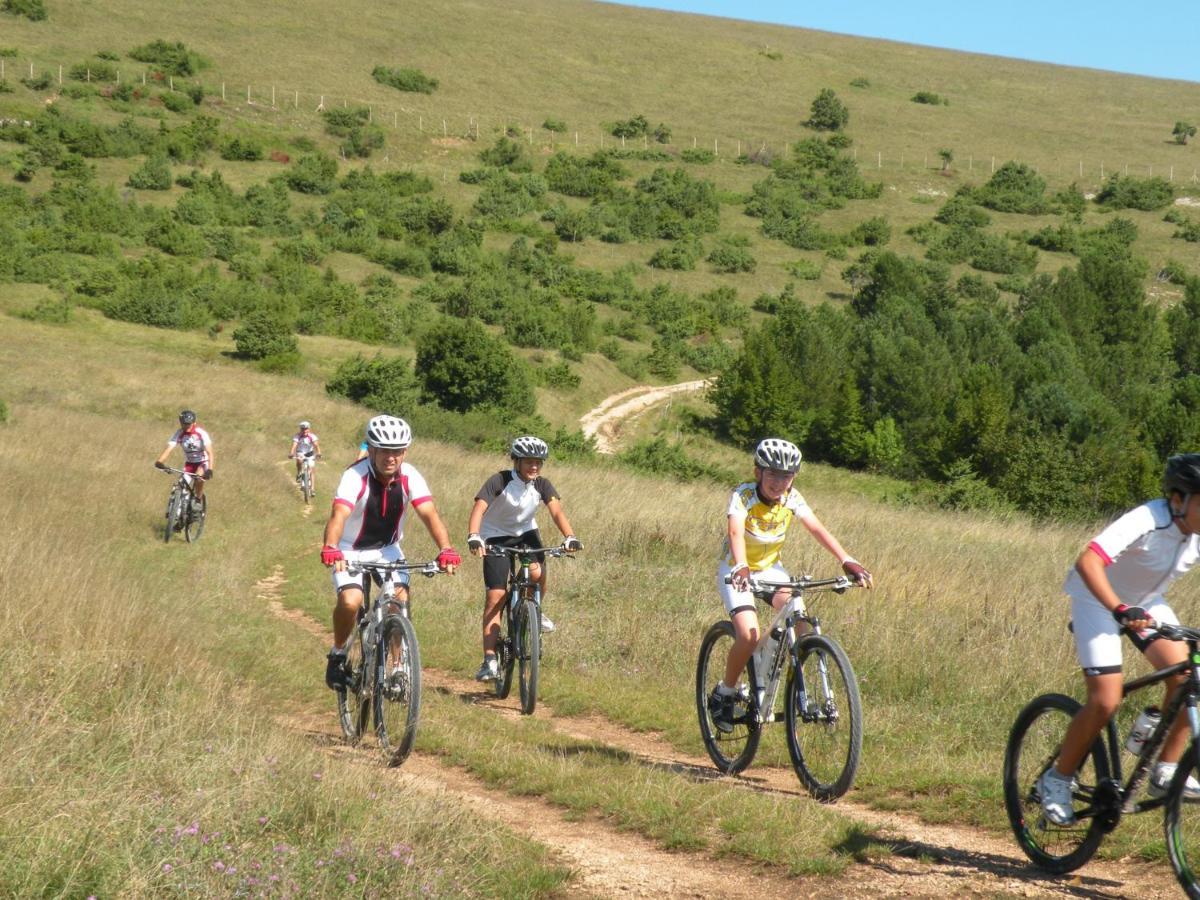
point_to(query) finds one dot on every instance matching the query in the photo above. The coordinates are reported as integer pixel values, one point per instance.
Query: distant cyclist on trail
(503, 516)
(1117, 587)
(369, 511)
(197, 451)
(758, 517)
(305, 443)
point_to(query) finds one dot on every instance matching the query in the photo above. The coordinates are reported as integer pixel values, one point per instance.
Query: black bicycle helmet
(187, 417)
(528, 447)
(1182, 474)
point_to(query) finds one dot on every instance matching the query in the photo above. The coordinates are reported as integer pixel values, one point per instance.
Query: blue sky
(1159, 40)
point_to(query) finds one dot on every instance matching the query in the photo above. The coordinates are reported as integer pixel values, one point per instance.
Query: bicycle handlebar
(557, 552)
(1177, 632)
(803, 585)
(428, 569)
(172, 471)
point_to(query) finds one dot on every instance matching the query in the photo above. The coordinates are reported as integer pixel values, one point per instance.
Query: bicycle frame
(787, 619)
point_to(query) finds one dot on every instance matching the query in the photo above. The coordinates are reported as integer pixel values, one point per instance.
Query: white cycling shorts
(390, 553)
(1098, 636)
(736, 601)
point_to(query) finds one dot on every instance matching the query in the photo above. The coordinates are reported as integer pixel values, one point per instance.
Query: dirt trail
(604, 422)
(926, 861)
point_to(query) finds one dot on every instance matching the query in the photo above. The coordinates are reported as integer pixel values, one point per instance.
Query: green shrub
(176, 102)
(313, 173)
(3, 412)
(264, 334)
(805, 269)
(507, 154)
(560, 375)
(732, 254)
(630, 128)
(153, 175)
(827, 112)
(929, 98)
(697, 155)
(680, 255)
(382, 384)
(9, 52)
(860, 82)
(281, 363)
(583, 176)
(1015, 187)
(463, 367)
(168, 58)
(413, 81)
(658, 456)
(556, 125)
(662, 133)
(54, 312)
(38, 82)
(5, 87)
(874, 232)
(34, 10)
(1128, 192)
(93, 70)
(241, 148)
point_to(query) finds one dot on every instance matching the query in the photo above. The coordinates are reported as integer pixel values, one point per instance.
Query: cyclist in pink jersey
(370, 508)
(197, 451)
(1117, 587)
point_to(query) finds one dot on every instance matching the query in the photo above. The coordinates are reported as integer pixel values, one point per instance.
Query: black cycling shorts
(496, 568)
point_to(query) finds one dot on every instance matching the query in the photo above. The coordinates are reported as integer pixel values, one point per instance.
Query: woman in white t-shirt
(503, 515)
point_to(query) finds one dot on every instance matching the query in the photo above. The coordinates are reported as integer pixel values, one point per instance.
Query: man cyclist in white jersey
(197, 452)
(757, 521)
(1117, 587)
(369, 511)
(305, 444)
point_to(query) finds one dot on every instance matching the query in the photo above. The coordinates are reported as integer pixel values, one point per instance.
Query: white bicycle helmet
(778, 454)
(304, 425)
(388, 433)
(528, 447)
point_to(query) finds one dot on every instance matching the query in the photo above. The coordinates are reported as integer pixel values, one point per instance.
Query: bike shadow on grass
(865, 847)
(863, 844)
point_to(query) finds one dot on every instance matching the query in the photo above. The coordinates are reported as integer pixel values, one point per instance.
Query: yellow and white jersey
(766, 524)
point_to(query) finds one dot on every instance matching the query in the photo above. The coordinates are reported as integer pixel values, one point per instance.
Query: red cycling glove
(448, 557)
(330, 555)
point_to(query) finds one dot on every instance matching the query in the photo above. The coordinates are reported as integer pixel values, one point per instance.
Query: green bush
(93, 70)
(929, 98)
(5, 87)
(382, 384)
(658, 456)
(38, 82)
(1015, 187)
(697, 155)
(630, 128)
(263, 334)
(462, 367)
(153, 175)
(54, 312)
(732, 254)
(411, 80)
(34, 10)
(176, 102)
(507, 154)
(827, 112)
(1128, 192)
(556, 125)
(3, 412)
(313, 173)
(874, 232)
(860, 82)
(805, 270)
(241, 148)
(680, 256)
(168, 58)
(560, 375)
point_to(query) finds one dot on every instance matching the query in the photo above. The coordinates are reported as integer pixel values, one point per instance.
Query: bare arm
(334, 528)
(428, 514)
(474, 522)
(824, 538)
(560, 517)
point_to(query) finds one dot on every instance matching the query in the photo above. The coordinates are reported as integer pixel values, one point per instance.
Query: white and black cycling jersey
(1143, 552)
(305, 444)
(377, 510)
(512, 504)
(194, 442)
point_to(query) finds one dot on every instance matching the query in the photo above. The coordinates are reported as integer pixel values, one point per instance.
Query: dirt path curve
(604, 422)
(926, 861)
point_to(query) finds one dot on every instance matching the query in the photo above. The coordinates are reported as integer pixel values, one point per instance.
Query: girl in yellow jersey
(760, 513)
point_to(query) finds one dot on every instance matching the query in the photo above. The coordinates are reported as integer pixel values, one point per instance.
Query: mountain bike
(308, 475)
(520, 642)
(383, 663)
(185, 512)
(1100, 797)
(822, 708)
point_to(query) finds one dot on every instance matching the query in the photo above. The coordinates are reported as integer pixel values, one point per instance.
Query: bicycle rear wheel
(1033, 747)
(506, 655)
(172, 514)
(731, 752)
(824, 718)
(1182, 825)
(193, 523)
(398, 693)
(352, 708)
(529, 652)
(306, 483)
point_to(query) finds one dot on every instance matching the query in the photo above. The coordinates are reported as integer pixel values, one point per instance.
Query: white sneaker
(1160, 783)
(547, 625)
(1055, 791)
(490, 670)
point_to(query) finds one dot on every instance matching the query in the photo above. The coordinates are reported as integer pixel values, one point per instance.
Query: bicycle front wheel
(306, 484)
(506, 655)
(194, 519)
(398, 692)
(1182, 823)
(824, 718)
(1033, 746)
(528, 639)
(352, 710)
(172, 515)
(730, 751)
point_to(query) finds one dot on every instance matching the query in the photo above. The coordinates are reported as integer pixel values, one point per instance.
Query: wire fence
(449, 125)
